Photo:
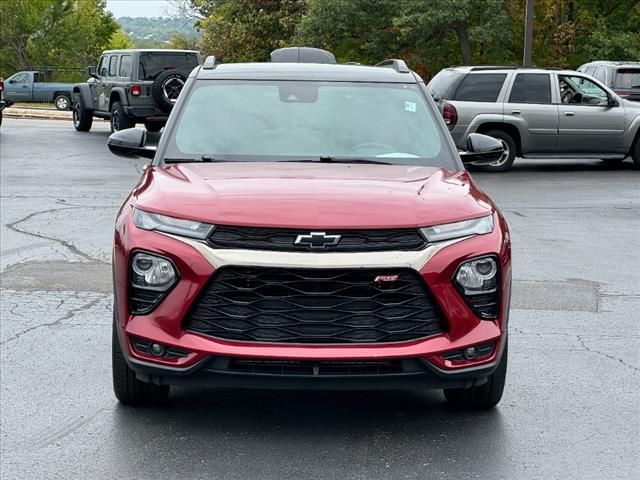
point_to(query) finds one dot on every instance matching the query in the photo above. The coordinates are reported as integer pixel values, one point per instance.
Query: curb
(13, 112)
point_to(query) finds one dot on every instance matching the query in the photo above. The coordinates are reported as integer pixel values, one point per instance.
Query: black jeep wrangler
(133, 86)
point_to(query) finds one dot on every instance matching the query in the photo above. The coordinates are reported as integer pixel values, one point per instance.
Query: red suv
(309, 225)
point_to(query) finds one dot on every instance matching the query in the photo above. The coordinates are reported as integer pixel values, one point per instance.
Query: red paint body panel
(314, 196)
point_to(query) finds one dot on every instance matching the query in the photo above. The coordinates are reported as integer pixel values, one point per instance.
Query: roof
(304, 71)
(150, 50)
(483, 68)
(613, 63)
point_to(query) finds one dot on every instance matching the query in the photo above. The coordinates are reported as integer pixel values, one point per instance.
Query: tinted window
(113, 66)
(444, 84)
(531, 88)
(293, 121)
(480, 87)
(628, 78)
(151, 64)
(125, 65)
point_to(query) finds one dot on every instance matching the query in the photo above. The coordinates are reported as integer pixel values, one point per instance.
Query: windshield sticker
(410, 106)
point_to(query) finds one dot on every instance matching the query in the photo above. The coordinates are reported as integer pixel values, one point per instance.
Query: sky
(140, 8)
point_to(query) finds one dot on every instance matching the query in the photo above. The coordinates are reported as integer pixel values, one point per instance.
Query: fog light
(478, 276)
(157, 350)
(470, 353)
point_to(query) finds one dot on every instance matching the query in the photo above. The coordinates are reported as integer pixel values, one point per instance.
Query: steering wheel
(368, 148)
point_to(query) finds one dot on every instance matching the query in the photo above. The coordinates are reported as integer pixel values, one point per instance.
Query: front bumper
(215, 372)
(197, 262)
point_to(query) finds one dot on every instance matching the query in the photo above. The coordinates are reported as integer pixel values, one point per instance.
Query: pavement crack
(67, 316)
(69, 246)
(611, 357)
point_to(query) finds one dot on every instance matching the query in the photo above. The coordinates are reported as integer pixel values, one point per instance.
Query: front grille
(311, 368)
(321, 306)
(284, 239)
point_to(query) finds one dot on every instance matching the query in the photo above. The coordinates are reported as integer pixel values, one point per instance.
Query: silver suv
(538, 113)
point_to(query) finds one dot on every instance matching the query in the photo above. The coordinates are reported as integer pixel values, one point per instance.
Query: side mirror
(12, 81)
(130, 143)
(93, 72)
(611, 101)
(481, 150)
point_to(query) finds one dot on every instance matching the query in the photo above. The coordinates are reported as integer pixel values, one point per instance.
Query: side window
(21, 78)
(600, 74)
(480, 87)
(590, 70)
(102, 68)
(125, 66)
(113, 66)
(531, 88)
(581, 91)
(36, 77)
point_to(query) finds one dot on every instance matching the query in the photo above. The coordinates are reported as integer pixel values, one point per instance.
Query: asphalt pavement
(571, 408)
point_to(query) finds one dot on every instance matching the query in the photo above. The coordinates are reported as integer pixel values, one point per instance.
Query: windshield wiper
(330, 159)
(202, 159)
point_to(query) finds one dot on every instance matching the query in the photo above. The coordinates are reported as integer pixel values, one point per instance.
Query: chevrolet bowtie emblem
(318, 240)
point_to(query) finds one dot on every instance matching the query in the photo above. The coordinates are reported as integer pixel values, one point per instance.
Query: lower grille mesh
(322, 306)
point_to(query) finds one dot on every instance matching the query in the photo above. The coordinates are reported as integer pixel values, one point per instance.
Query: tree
(183, 42)
(60, 33)
(120, 40)
(248, 30)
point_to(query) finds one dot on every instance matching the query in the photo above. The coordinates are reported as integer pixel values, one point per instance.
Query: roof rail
(398, 65)
(210, 63)
(510, 67)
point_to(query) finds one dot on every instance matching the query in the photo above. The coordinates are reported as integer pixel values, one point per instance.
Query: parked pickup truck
(27, 86)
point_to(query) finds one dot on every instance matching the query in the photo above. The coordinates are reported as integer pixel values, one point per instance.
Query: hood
(309, 195)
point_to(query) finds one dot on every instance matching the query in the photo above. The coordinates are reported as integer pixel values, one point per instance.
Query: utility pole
(528, 34)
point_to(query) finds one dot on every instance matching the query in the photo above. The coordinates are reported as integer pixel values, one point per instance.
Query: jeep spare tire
(167, 87)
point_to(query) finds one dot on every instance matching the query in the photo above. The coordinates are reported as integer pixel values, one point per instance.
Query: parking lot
(570, 408)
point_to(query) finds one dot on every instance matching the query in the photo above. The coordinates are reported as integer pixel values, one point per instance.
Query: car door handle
(569, 114)
(516, 112)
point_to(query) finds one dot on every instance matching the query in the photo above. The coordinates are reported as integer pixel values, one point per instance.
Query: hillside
(146, 32)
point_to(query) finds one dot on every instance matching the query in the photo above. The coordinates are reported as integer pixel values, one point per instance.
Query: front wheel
(508, 157)
(119, 120)
(82, 119)
(483, 396)
(127, 388)
(62, 102)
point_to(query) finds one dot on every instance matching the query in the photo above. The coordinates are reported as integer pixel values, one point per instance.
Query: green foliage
(60, 33)
(120, 40)
(248, 30)
(184, 42)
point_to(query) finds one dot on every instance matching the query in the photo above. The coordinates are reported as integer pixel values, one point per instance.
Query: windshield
(297, 121)
(153, 63)
(628, 78)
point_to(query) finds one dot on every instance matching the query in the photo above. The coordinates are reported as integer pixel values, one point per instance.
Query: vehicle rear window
(305, 120)
(480, 87)
(531, 88)
(627, 78)
(152, 64)
(444, 84)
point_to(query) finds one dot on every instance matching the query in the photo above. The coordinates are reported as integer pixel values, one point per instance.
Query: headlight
(151, 277)
(477, 281)
(449, 231)
(178, 226)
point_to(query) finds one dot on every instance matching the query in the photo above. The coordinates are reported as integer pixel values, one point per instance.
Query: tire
(119, 120)
(62, 102)
(484, 396)
(82, 119)
(127, 388)
(167, 87)
(635, 151)
(510, 147)
(153, 126)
